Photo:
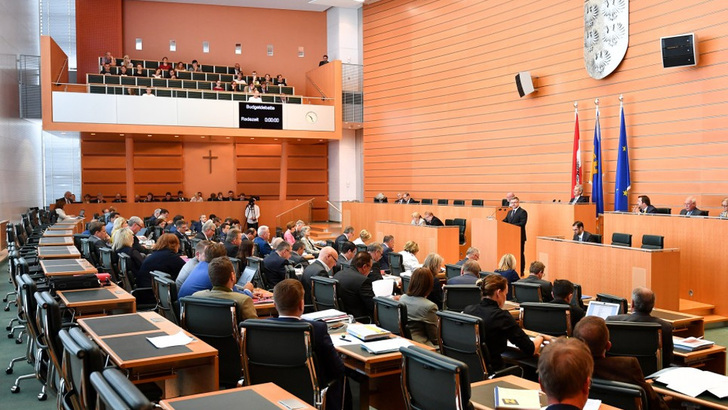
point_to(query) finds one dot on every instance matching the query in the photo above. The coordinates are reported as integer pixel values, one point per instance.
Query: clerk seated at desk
(643, 301)
(580, 235)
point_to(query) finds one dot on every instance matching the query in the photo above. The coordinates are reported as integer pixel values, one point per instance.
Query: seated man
(184, 273)
(207, 232)
(593, 331)
(288, 299)
(347, 252)
(432, 220)
(691, 208)
(136, 224)
(322, 266)
(643, 301)
(297, 257)
(564, 373)
(274, 265)
(563, 293)
(233, 239)
(98, 238)
(355, 287)
(197, 225)
(180, 229)
(222, 277)
(536, 276)
(578, 198)
(580, 235)
(387, 248)
(347, 235)
(643, 205)
(375, 251)
(469, 274)
(199, 279)
(262, 241)
(472, 254)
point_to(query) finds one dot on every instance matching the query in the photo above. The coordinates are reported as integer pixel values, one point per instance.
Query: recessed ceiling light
(176, 136)
(149, 135)
(321, 140)
(63, 133)
(252, 138)
(121, 135)
(202, 136)
(299, 140)
(93, 133)
(227, 138)
(275, 139)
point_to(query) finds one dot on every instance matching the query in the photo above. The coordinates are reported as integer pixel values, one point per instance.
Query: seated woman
(507, 269)
(288, 234)
(308, 244)
(364, 236)
(500, 326)
(433, 262)
(421, 316)
(165, 65)
(123, 242)
(60, 213)
(163, 258)
(244, 250)
(409, 260)
(119, 223)
(417, 219)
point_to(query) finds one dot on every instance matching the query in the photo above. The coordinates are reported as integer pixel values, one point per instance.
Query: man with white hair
(472, 254)
(136, 224)
(262, 241)
(208, 231)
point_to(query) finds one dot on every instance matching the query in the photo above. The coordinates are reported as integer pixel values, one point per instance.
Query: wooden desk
(263, 396)
(443, 240)
(495, 238)
(180, 370)
(702, 250)
(611, 269)
(105, 300)
(265, 309)
(75, 226)
(56, 241)
(481, 393)
(712, 359)
(705, 399)
(683, 324)
(58, 252)
(57, 233)
(64, 267)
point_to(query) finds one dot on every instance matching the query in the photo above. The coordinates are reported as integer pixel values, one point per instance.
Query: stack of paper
(691, 344)
(520, 399)
(693, 382)
(179, 339)
(385, 346)
(367, 332)
(328, 315)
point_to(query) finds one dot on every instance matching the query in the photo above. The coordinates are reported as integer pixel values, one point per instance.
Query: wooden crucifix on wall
(210, 158)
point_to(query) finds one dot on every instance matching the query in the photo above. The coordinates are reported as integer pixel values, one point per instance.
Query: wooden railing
(301, 211)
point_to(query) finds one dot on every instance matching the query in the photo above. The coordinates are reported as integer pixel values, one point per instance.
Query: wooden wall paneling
(103, 167)
(258, 169)
(308, 176)
(158, 167)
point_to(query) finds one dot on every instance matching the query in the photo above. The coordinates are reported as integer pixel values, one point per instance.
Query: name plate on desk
(261, 115)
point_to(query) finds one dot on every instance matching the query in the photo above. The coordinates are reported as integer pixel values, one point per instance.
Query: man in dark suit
(563, 291)
(691, 208)
(578, 198)
(375, 251)
(288, 299)
(275, 263)
(432, 220)
(644, 206)
(197, 225)
(345, 236)
(67, 197)
(387, 248)
(346, 254)
(536, 276)
(643, 301)
(593, 331)
(580, 235)
(297, 257)
(136, 224)
(564, 373)
(472, 254)
(355, 287)
(518, 216)
(233, 239)
(207, 232)
(407, 199)
(322, 266)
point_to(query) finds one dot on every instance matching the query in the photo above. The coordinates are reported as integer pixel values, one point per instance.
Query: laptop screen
(247, 276)
(602, 309)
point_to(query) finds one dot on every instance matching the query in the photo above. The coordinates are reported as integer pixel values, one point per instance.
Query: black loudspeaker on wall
(679, 51)
(524, 82)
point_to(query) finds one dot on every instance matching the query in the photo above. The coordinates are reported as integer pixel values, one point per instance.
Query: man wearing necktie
(518, 216)
(580, 235)
(690, 207)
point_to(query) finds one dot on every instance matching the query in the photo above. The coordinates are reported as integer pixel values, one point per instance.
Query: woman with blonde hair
(119, 223)
(364, 237)
(123, 242)
(507, 269)
(417, 219)
(433, 263)
(409, 260)
(500, 326)
(421, 312)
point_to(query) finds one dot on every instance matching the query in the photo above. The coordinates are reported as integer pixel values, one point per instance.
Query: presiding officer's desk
(703, 256)
(616, 270)
(443, 240)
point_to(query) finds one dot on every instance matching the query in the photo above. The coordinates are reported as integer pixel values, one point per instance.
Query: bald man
(322, 266)
(691, 208)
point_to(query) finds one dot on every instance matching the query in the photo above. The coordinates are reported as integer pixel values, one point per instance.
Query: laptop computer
(602, 309)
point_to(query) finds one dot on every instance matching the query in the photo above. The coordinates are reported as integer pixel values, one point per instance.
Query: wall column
(129, 148)
(283, 187)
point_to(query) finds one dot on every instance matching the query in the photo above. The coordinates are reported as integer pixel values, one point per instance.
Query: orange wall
(444, 120)
(98, 30)
(190, 24)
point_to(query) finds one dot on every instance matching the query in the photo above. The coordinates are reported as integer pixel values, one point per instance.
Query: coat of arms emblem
(606, 35)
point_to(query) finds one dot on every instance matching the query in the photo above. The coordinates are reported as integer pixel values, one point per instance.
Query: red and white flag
(576, 173)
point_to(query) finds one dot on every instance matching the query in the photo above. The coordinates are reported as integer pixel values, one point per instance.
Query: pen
(343, 337)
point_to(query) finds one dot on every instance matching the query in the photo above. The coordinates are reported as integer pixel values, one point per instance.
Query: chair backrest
(255, 262)
(48, 315)
(452, 271)
(426, 201)
(124, 276)
(361, 248)
(433, 381)
(391, 315)
(526, 292)
(77, 238)
(215, 322)
(576, 297)
(166, 290)
(395, 263)
(281, 352)
(81, 357)
(622, 239)
(26, 291)
(462, 337)
(622, 302)
(619, 394)
(596, 238)
(653, 242)
(405, 282)
(236, 266)
(442, 201)
(642, 340)
(703, 213)
(457, 297)
(458, 202)
(461, 222)
(550, 318)
(324, 293)
(107, 262)
(116, 392)
(477, 202)
(87, 253)
(666, 211)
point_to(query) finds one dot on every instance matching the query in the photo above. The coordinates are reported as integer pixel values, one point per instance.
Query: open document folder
(692, 382)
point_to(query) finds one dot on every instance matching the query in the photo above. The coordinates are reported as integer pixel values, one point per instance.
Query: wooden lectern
(494, 238)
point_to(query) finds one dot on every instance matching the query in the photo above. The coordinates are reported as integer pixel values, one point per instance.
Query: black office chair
(576, 297)
(405, 282)
(116, 392)
(653, 242)
(215, 322)
(109, 263)
(477, 202)
(361, 248)
(282, 352)
(618, 394)
(642, 340)
(167, 304)
(622, 302)
(622, 239)
(324, 294)
(457, 297)
(484, 273)
(395, 263)
(549, 318)
(256, 263)
(703, 213)
(462, 337)
(526, 292)
(452, 271)
(426, 201)
(81, 357)
(666, 211)
(443, 201)
(391, 315)
(88, 254)
(237, 263)
(460, 222)
(34, 354)
(458, 202)
(596, 238)
(432, 381)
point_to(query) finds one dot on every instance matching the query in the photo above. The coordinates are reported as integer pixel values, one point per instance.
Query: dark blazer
(546, 286)
(196, 226)
(519, 218)
(435, 221)
(136, 258)
(667, 345)
(355, 290)
(316, 268)
(384, 262)
(650, 210)
(581, 199)
(576, 313)
(586, 237)
(201, 236)
(162, 260)
(694, 212)
(275, 268)
(263, 246)
(297, 259)
(232, 250)
(339, 239)
(462, 280)
(626, 370)
(138, 246)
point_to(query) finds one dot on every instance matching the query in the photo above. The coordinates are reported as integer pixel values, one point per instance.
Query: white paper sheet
(179, 339)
